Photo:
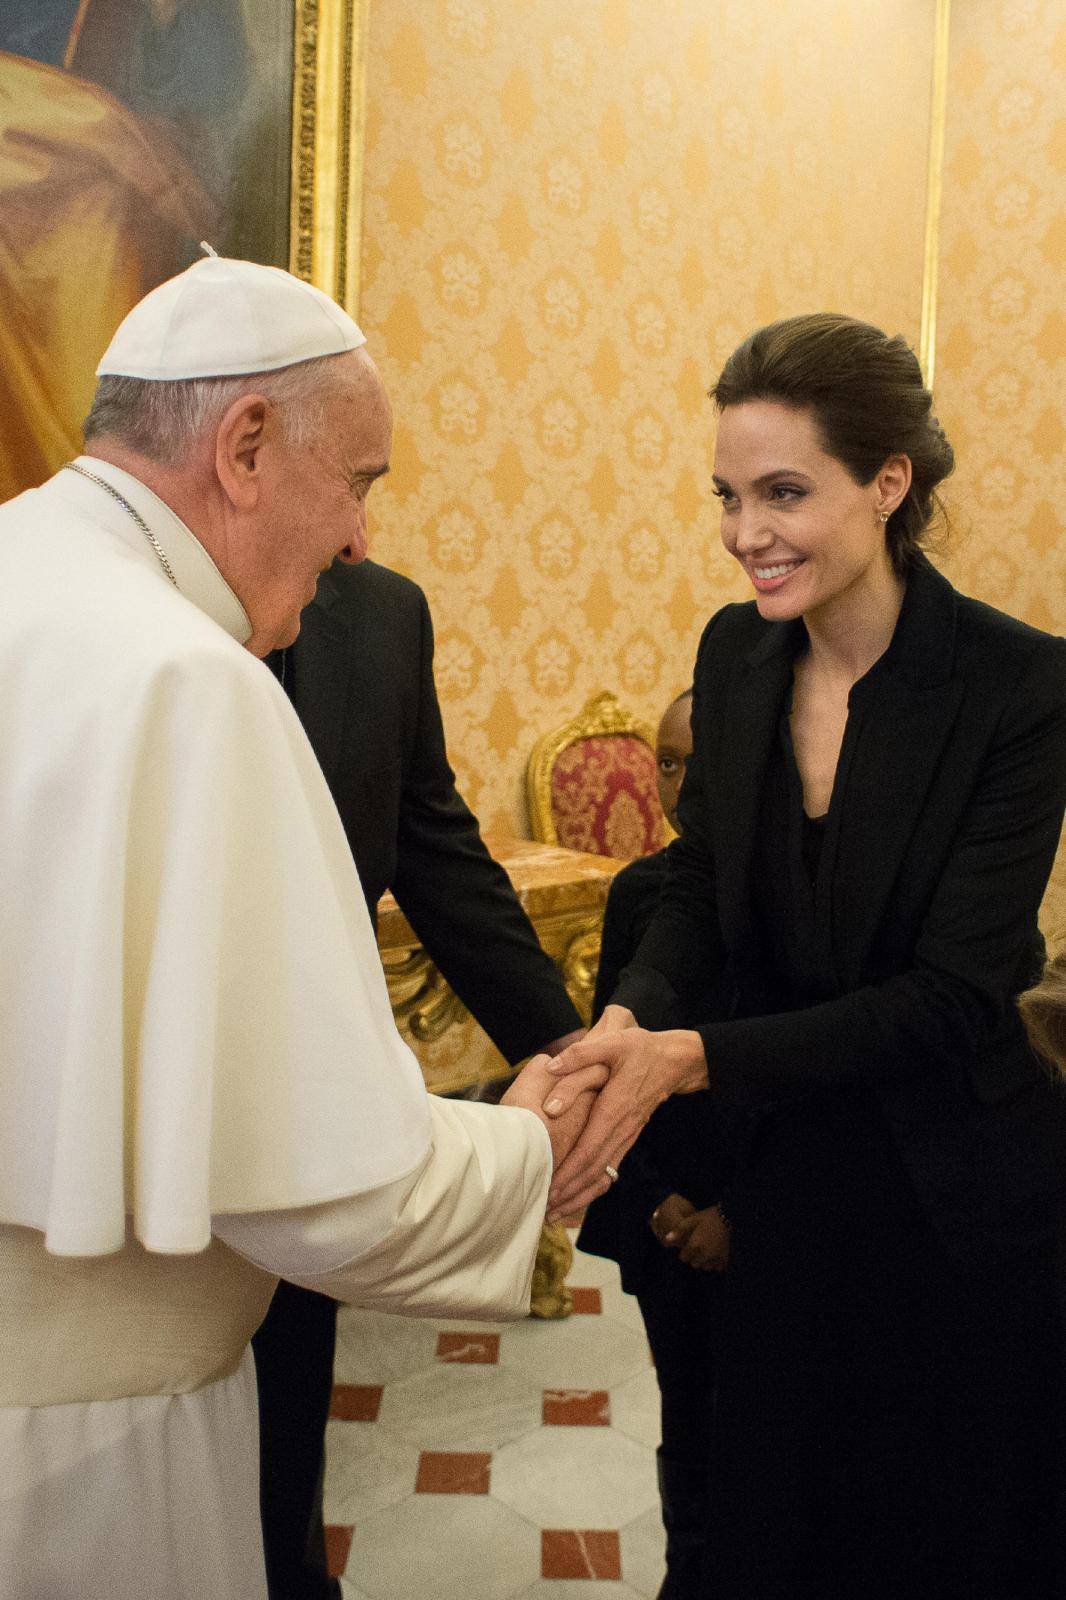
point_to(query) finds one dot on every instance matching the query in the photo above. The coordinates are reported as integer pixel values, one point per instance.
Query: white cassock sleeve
(457, 1238)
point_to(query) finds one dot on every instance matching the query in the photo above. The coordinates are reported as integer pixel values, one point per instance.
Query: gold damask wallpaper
(573, 210)
(1001, 326)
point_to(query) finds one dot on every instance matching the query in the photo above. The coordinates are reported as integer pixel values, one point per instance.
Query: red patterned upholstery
(604, 798)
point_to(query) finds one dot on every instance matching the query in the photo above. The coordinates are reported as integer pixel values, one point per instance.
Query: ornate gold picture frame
(131, 132)
(328, 124)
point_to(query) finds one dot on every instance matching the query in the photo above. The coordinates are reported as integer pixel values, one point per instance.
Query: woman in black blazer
(868, 823)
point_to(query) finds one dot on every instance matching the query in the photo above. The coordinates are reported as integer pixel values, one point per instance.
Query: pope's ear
(242, 435)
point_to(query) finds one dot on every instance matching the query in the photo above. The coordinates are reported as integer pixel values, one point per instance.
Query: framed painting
(132, 130)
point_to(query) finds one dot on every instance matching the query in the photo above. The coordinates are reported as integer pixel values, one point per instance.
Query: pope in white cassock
(201, 1086)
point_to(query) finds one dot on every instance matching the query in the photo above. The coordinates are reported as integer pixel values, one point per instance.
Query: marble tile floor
(477, 1461)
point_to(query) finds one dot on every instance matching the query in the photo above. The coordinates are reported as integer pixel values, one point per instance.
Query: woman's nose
(750, 531)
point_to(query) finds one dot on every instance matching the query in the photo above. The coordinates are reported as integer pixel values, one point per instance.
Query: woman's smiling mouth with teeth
(776, 571)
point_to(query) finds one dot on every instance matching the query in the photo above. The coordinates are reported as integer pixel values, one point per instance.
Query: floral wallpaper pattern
(574, 209)
(1001, 327)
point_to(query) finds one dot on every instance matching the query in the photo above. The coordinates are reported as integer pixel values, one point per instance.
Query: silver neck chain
(72, 466)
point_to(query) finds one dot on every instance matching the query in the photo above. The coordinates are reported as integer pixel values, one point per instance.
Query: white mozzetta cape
(193, 1016)
(195, 1034)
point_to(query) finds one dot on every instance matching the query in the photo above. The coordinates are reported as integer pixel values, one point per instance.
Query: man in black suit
(360, 676)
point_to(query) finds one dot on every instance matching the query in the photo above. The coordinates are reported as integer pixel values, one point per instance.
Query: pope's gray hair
(162, 419)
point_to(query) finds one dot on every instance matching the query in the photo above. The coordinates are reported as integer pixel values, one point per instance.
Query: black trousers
(294, 1351)
(682, 1311)
(888, 1424)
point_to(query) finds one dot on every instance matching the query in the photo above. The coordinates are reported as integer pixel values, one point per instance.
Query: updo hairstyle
(868, 399)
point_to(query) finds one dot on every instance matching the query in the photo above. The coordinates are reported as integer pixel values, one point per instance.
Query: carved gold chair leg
(551, 1299)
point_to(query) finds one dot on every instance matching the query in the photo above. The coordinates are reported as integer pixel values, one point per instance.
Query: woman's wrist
(688, 1060)
(614, 1018)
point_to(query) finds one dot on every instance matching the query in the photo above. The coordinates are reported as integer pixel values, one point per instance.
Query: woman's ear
(892, 483)
(239, 443)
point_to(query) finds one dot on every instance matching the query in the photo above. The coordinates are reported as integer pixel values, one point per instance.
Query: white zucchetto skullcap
(220, 318)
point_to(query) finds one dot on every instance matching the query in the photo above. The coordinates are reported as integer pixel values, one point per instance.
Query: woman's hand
(612, 1019)
(702, 1240)
(645, 1069)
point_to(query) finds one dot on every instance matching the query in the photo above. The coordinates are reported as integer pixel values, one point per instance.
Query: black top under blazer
(360, 677)
(940, 838)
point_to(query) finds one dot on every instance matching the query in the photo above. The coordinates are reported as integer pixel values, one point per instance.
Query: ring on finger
(612, 1172)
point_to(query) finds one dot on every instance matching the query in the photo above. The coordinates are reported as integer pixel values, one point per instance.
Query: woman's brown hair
(868, 399)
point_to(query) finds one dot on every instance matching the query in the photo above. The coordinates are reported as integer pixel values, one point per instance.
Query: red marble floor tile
(338, 1543)
(469, 1349)
(587, 1302)
(453, 1472)
(576, 1408)
(355, 1402)
(580, 1553)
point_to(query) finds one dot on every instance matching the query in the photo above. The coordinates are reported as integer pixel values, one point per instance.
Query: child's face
(673, 746)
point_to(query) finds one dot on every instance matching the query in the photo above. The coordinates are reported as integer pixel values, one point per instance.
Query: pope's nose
(355, 550)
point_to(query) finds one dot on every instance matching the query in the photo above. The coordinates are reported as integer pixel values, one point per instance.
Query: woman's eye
(722, 494)
(785, 491)
(667, 766)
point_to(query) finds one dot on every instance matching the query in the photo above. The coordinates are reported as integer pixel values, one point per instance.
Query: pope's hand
(535, 1084)
(645, 1069)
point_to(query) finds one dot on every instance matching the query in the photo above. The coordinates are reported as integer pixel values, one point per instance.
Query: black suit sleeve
(631, 902)
(630, 906)
(461, 903)
(682, 951)
(948, 1007)
(683, 1149)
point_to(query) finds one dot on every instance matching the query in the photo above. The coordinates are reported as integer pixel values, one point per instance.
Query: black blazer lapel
(749, 720)
(904, 712)
(895, 760)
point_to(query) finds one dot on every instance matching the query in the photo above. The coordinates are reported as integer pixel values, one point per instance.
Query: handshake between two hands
(596, 1095)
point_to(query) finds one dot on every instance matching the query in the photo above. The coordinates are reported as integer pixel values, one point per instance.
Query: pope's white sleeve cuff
(456, 1238)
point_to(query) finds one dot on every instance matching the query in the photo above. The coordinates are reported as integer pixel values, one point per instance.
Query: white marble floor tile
(471, 1325)
(445, 1547)
(366, 1469)
(643, 1544)
(635, 1408)
(374, 1348)
(576, 1478)
(457, 1407)
(578, 1589)
(591, 1272)
(621, 1307)
(487, 1547)
(581, 1353)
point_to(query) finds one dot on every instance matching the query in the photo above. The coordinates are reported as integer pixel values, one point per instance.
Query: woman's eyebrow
(766, 477)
